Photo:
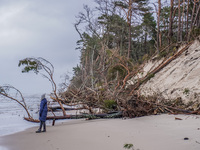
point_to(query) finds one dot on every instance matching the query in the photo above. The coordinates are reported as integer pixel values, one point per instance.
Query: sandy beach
(160, 132)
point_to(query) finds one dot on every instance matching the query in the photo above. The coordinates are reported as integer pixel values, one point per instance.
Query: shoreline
(14, 124)
(160, 132)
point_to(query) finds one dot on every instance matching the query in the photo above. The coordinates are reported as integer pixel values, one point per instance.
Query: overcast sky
(38, 28)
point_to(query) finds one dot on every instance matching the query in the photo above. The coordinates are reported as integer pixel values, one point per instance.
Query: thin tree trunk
(160, 39)
(158, 24)
(187, 22)
(129, 43)
(191, 24)
(179, 20)
(63, 110)
(181, 32)
(199, 21)
(145, 42)
(91, 69)
(121, 42)
(193, 11)
(170, 33)
(197, 14)
(59, 102)
(129, 22)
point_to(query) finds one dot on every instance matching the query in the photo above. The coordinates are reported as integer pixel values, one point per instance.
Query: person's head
(43, 96)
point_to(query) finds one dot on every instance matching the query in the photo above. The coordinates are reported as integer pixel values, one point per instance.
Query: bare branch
(4, 91)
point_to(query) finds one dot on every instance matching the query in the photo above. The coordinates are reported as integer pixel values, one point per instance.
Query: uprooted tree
(46, 69)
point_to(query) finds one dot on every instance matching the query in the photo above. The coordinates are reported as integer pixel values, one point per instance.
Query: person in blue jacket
(42, 114)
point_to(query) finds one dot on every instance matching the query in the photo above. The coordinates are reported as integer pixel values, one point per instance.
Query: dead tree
(38, 65)
(4, 91)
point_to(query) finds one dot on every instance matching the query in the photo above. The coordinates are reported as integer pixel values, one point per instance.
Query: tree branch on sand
(46, 69)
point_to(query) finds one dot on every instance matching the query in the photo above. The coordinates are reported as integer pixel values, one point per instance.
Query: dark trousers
(42, 124)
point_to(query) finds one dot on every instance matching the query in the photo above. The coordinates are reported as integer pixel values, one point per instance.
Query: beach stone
(186, 138)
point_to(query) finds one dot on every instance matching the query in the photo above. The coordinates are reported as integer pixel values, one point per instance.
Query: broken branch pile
(131, 106)
(137, 107)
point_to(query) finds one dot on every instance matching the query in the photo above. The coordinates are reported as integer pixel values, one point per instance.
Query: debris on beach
(186, 138)
(176, 118)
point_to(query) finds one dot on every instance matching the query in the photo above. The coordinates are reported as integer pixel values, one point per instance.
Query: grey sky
(38, 28)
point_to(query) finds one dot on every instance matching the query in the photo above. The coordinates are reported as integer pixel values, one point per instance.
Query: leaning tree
(46, 69)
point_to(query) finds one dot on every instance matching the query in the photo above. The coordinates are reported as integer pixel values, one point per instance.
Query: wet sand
(161, 132)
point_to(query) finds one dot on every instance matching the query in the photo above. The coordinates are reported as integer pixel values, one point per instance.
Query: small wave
(12, 114)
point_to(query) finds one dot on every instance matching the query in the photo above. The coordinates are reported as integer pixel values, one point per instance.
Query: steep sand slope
(180, 78)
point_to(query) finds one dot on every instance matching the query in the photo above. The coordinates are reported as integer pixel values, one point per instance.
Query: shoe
(44, 131)
(38, 131)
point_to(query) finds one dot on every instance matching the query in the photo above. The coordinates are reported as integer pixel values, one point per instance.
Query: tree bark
(197, 14)
(191, 24)
(91, 69)
(129, 18)
(170, 33)
(187, 22)
(145, 42)
(158, 25)
(179, 21)
(181, 30)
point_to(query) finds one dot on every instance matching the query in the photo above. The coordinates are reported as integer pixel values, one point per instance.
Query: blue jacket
(43, 110)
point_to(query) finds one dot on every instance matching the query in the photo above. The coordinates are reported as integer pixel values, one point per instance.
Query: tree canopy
(133, 30)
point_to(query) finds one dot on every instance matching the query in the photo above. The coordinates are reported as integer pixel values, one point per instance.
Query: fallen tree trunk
(117, 114)
(143, 108)
(54, 108)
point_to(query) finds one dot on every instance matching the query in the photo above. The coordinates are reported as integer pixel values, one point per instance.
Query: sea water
(12, 114)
